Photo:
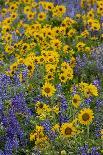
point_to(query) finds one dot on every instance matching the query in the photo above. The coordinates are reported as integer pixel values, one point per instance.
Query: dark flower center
(40, 16)
(41, 60)
(68, 131)
(62, 78)
(41, 105)
(49, 76)
(24, 47)
(47, 90)
(85, 117)
(50, 59)
(49, 7)
(75, 100)
(29, 67)
(60, 9)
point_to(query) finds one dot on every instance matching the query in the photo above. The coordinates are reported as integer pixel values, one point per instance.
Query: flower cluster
(51, 79)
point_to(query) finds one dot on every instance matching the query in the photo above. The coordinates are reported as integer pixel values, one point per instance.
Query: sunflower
(76, 100)
(87, 49)
(56, 44)
(49, 6)
(49, 77)
(71, 33)
(27, 9)
(90, 90)
(63, 77)
(72, 62)
(38, 131)
(30, 15)
(27, 1)
(48, 89)
(9, 49)
(66, 48)
(50, 68)
(42, 108)
(59, 10)
(68, 130)
(13, 7)
(6, 28)
(85, 116)
(41, 16)
(95, 27)
(90, 14)
(85, 33)
(80, 46)
(14, 15)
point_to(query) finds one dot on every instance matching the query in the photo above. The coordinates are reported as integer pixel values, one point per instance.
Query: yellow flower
(42, 109)
(67, 70)
(83, 85)
(66, 48)
(38, 136)
(90, 22)
(4, 11)
(41, 16)
(68, 130)
(49, 6)
(63, 77)
(72, 62)
(30, 67)
(83, 3)
(90, 14)
(5, 28)
(85, 34)
(87, 49)
(20, 77)
(13, 66)
(7, 37)
(71, 33)
(27, 9)
(56, 44)
(13, 7)
(63, 152)
(85, 116)
(9, 49)
(55, 109)
(62, 30)
(49, 33)
(31, 15)
(40, 141)
(71, 52)
(50, 68)
(48, 89)
(78, 16)
(95, 26)
(39, 108)
(76, 101)
(49, 77)
(56, 127)
(27, 1)
(13, 15)
(37, 133)
(32, 136)
(91, 90)
(61, 9)
(80, 46)
(58, 11)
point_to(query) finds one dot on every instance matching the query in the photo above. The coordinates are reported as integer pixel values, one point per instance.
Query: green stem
(88, 131)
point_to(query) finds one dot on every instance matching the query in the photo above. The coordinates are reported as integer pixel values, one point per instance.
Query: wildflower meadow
(51, 77)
